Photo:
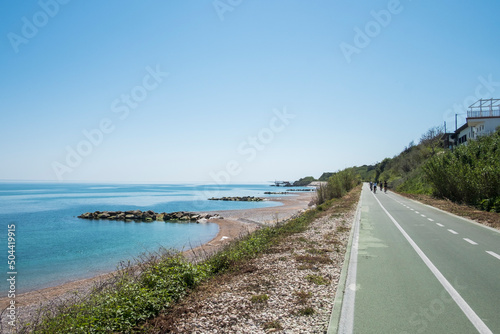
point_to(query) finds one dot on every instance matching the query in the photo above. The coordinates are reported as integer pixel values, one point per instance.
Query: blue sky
(232, 90)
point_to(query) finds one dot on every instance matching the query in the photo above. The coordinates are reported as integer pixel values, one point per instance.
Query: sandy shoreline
(234, 224)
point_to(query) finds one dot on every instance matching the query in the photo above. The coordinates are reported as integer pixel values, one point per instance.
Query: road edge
(333, 324)
(451, 214)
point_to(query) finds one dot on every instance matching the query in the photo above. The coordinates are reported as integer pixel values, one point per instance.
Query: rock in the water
(147, 216)
(238, 199)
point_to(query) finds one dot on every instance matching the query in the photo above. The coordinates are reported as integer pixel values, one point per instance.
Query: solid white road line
(470, 241)
(441, 225)
(468, 311)
(346, 322)
(493, 254)
(454, 232)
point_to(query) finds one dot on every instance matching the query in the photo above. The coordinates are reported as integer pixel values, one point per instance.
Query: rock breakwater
(147, 216)
(238, 199)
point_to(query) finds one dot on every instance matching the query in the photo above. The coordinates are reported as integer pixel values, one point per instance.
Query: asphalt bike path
(416, 269)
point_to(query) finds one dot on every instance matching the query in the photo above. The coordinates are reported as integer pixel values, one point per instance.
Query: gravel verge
(289, 289)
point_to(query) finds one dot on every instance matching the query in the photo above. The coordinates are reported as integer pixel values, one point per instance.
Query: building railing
(484, 108)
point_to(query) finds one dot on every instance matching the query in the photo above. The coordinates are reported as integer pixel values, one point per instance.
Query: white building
(483, 117)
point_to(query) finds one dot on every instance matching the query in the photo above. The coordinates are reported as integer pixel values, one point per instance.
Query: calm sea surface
(53, 246)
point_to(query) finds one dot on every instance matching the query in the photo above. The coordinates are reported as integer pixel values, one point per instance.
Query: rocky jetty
(238, 199)
(147, 216)
(288, 191)
(305, 189)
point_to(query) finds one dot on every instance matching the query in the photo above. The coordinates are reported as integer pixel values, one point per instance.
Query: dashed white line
(417, 212)
(439, 224)
(429, 219)
(493, 254)
(424, 216)
(468, 311)
(454, 232)
(470, 241)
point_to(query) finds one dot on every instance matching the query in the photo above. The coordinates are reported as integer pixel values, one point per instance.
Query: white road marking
(468, 311)
(454, 232)
(439, 224)
(412, 209)
(493, 254)
(346, 322)
(470, 241)
(423, 216)
(429, 219)
(417, 212)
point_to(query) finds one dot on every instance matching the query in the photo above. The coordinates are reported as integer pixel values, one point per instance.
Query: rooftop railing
(484, 108)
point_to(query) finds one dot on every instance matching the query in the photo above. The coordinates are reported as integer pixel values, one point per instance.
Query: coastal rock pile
(146, 216)
(305, 189)
(238, 199)
(276, 193)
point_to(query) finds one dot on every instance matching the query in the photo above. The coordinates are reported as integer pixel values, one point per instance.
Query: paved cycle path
(416, 269)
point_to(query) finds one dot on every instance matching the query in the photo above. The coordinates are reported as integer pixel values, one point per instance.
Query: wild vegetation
(404, 172)
(468, 174)
(338, 185)
(304, 181)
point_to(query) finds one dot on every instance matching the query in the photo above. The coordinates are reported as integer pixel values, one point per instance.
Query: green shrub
(337, 186)
(259, 299)
(496, 205)
(306, 311)
(468, 174)
(318, 280)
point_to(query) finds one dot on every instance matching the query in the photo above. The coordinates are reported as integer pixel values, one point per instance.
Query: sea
(51, 246)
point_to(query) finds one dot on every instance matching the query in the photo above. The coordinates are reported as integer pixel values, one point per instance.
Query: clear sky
(233, 90)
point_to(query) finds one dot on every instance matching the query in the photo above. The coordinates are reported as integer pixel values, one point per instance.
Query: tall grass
(468, 174)
(337, 185)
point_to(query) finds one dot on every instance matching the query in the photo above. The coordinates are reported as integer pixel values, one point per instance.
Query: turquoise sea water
(53, 246)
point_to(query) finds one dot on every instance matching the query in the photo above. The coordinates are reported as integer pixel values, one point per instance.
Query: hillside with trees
(468, 174)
